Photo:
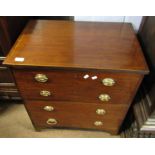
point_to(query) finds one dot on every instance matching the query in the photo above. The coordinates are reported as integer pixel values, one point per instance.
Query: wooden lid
(83, 45)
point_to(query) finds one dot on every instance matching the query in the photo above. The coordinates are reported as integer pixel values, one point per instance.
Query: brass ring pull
(100, 111)
(41, 78)
(45, 93)
(51, 121)
(104, 97)
(98, 123)
(48, 108)
(108, 82)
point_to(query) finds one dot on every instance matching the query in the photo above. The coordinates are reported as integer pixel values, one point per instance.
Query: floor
(15, 123)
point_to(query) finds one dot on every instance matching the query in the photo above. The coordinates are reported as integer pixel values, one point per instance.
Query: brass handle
(45, 93)
(48, 108)
(98, 123)
(51, 121)
(108, 82)
(104, 97)
(100, 111)
(41, 78)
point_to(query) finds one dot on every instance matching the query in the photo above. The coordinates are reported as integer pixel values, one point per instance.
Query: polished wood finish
(70, 85)
(74, 58)
(89, 45)
(79, 115)
(10, 28)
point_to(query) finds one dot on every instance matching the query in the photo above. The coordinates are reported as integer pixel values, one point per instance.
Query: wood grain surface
(77, 115)
(68, 44)
(65, 52)
(69, 85)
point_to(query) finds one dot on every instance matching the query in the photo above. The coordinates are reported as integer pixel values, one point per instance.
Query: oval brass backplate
(108, 82)
(48, 108)
(104, 97)
(41, 78)
(51, 121)
(98, 123)
(100, 111)
(45, 93)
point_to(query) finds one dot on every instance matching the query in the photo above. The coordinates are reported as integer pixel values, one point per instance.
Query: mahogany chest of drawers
(77, 74)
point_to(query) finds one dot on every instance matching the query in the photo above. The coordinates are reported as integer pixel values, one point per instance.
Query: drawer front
(75, 86)
(78, 115)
